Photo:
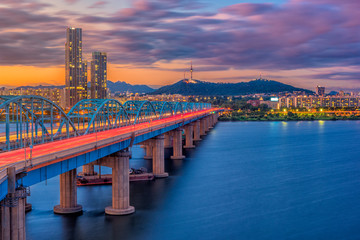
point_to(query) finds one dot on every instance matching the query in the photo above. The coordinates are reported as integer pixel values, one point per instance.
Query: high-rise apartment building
(320, 91)
(98, 75)
(75, 68)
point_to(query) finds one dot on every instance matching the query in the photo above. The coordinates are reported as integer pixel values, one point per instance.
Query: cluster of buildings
(76, 70)
(76, 76)
(57, 95)
(340, 100)
(318, 101)
(161, 97)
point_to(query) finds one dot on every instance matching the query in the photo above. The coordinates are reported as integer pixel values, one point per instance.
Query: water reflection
(255, 180)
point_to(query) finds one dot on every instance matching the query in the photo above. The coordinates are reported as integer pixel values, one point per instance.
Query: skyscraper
(98, 75)
(75, 68)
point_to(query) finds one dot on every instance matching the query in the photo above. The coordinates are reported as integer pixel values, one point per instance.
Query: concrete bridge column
(158, 157)
(207, 126)
(168, 140)
(148, 150)
(177, 145)
(12, 210)
(211, 125)
(88, 170)
(197, 131)
(120, 184)
(189, 139)
(202, 127)
(68, 194)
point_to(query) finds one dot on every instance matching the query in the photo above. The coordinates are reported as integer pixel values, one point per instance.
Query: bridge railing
(29, 120)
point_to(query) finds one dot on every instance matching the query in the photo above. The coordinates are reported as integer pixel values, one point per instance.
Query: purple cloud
(296, 35)
(249, 9)
(99, 4)
(71, 1)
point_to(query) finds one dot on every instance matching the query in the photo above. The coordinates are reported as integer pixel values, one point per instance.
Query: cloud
(99, 4)
(71, 1)
(341, 76)
(299, 34)
(249, 9)
(250, 36)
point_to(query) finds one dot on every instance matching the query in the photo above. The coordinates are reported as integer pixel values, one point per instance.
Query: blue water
(246, 180)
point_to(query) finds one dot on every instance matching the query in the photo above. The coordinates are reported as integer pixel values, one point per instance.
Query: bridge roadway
(109, 148)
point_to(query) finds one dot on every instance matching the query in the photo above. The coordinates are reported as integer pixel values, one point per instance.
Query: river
(245, 180)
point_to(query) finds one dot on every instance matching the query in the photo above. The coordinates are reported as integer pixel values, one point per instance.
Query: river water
(246, 180)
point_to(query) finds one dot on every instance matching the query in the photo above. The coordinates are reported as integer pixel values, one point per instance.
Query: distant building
(62, 101)
(162, 97)
(75, 68)
(254, 103)
(98, 75)
(316, 102)
(320, 91)
(53, 94)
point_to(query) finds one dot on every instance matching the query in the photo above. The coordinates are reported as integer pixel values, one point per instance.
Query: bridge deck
(9, 158)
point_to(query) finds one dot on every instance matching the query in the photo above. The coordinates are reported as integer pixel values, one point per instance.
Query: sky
(299, 42)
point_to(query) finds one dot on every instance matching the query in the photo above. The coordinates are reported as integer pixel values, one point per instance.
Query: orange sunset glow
(153, 45)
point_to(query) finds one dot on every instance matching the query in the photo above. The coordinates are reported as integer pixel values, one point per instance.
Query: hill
(126, 87)
(196, 87)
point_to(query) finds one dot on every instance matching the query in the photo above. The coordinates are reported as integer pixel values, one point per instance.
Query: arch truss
(91, 115)
(29, 120)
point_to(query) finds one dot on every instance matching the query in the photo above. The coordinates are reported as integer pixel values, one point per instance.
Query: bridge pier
(189, 139)
(119, 162)
(202, 127)
(197, 131)
(177, 145)
(12, 210)
(211, 118)
(68, 194)
(158, 157)
(148, 150)
(88, 170)
(168, 140)
(210, 125)
(207, 127)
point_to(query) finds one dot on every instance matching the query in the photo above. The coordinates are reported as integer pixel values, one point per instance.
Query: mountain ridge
(197, 87)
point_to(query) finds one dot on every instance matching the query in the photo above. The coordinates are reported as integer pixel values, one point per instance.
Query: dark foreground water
(246, 180)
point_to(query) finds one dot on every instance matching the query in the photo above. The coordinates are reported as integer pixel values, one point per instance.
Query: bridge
(42, 141)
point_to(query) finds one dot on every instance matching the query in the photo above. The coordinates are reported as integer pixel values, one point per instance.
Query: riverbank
(286, 117)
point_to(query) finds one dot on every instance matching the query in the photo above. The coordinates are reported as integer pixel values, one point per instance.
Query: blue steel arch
(140, 111)
(189, 107)
(92, 115)
(178, 107)
(44, 121)
(163, 109)
(32, 119)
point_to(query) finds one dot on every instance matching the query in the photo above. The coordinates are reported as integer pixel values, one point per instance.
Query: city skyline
(153, 42)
